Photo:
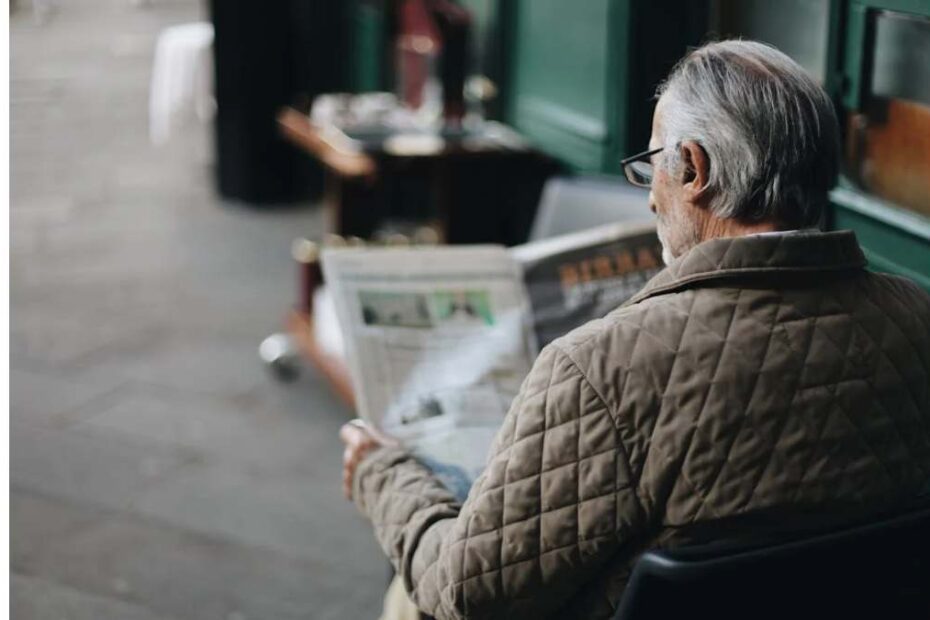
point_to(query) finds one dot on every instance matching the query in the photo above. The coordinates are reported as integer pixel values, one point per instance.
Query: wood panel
(889, 149)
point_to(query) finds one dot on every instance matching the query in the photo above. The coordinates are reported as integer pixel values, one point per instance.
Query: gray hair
(769, 130)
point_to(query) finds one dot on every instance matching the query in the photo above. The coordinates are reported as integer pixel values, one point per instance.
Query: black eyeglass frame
(630, 173)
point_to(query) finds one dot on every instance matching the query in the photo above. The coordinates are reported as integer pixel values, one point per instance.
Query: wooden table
(480, 187)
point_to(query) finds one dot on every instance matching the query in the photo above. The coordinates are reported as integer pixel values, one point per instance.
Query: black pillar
(267, 55)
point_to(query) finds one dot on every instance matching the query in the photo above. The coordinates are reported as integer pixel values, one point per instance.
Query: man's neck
(714, 227)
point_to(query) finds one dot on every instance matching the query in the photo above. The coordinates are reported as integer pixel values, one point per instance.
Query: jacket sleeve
(554, 503)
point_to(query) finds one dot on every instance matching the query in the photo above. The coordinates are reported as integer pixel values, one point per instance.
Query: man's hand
(360, 439)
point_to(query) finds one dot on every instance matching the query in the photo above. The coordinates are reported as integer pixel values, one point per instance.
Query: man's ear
(696, 166)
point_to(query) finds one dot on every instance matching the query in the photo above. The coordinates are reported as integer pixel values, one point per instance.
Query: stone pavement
(156, 470)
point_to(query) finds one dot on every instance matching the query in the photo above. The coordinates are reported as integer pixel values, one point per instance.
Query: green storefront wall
(582, 75)
(578, 79)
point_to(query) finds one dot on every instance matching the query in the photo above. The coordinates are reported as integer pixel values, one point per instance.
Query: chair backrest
(880, 570)
(570, 204)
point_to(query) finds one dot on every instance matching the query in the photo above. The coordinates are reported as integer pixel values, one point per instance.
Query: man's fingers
(359, 439)
(349, 461)
(356, 432)
(347, 482)
(348, 470)
(350, 434)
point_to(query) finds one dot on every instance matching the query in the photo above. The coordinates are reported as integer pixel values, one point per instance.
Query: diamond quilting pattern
(752, 374)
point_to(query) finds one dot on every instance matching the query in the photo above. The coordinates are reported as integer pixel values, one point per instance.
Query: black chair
(879, 570)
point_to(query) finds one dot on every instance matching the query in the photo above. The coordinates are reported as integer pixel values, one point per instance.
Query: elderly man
(764, 379)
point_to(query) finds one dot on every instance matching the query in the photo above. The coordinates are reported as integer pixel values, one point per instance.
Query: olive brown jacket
(756, 381)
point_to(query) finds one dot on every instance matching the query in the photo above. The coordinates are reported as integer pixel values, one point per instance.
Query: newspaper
(439, 339)
(574, 278)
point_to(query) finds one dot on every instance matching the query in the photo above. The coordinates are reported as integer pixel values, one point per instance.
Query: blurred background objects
(166, 153)
(156, 470)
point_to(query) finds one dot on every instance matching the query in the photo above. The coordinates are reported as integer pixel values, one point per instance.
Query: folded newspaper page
(439, 339)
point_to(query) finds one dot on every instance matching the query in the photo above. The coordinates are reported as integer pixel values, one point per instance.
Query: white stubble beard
(667, 257)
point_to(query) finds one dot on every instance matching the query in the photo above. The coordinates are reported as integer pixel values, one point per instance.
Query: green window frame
(894, 239)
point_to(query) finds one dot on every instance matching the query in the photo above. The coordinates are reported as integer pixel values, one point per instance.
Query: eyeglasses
(638, 168)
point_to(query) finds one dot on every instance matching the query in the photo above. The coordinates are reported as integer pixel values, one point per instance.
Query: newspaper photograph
(438, 342)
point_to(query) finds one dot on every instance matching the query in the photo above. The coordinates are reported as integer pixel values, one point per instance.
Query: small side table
(478, 187)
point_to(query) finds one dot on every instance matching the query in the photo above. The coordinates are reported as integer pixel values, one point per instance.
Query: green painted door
(582, 74)
(560, 65)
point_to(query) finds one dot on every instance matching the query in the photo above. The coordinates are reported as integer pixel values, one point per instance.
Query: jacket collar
(757, 255)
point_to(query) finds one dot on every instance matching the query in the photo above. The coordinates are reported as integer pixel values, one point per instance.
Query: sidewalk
(156, 470)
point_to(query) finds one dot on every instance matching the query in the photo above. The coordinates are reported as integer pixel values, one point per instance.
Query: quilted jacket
(755, 380)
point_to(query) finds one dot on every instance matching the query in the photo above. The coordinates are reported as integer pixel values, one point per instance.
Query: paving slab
(157, 471)
(38, 599)
(174, 572)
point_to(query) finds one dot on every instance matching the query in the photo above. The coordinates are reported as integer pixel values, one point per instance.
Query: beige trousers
(397, 605)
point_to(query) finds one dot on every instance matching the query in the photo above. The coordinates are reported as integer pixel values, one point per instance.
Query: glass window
(888, 141)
